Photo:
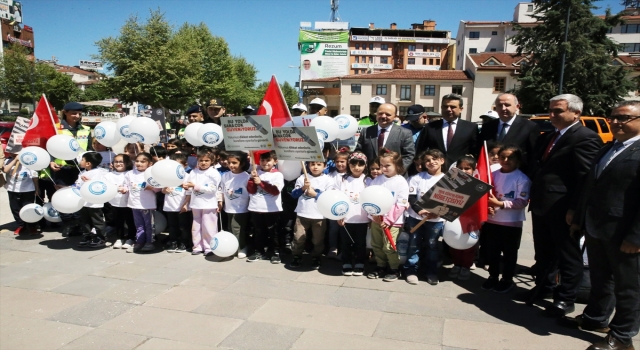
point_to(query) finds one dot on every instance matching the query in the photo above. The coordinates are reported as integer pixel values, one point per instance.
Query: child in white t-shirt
(341, 160)
(121, 214)
(374, 171)
(142, 201)
(234, 198)
(91, 217)
(21, 186)
(179, 221)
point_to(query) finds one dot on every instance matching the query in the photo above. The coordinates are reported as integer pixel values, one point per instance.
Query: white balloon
(224, 244)
(290, 169)
(63, 147)
(327, 127)
(34, 158)
(148, 178)
(210, 134)
(144, 130)
(31, 213)
(347, 125)
(456, 239)
(107, 133)
(51, 214)
(191, 134)
(333, 204)
(168, 173)
(376, 200)
(98, 191)
(67, 200)
(159, 222)
(123, 128)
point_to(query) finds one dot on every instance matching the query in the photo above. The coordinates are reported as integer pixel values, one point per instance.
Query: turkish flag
(42, 125)
(275, 105)
(471, 220)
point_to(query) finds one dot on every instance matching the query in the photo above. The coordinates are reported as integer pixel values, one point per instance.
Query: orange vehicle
(597, 124)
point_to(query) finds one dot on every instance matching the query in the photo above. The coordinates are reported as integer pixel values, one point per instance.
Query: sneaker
(454, 272)
(347, 270)
(17, 231)
(503, 286)
(134, 248)
(171, 247)
(412, 279)
(333, 253)
(242, 253)
(465, 274)
(473, 266)
(490, 283)
(86, 240)
(315, 263)
(295, 263)
(432, 280)
(196, 252)
(148, 247)
(358, 270)
(392, 276)
(257, 256)
(275, 258)
(97, 243)
(181, 248)
(117, 244)
(128, 244)
(209, 253)
(377, 273)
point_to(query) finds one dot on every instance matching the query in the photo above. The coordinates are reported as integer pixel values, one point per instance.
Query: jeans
(425, 237)
(144, 230)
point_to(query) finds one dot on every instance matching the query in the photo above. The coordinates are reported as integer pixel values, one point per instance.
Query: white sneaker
(148, 247)
(473, 266)
(454, 272)
(117, 244)
(333, 254)
(465, 274)
(242, 253)
(128, 244)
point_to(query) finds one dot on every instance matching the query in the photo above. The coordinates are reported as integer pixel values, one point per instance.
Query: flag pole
(486, 157)
(50, 114)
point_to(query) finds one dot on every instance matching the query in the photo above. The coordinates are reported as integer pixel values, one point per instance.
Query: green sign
(308, 36)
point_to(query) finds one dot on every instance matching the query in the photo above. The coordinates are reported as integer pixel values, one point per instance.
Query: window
(492, 50)
(530, 8)
(473, 50)
(412, 47)
(456, 89)
(499, 84)
(370, 59)
(357, 59)
(371, 46)
(603, 126)
(381, 89)
(474, 35)
(494, 32)
(424, 61)
(591, 124)
(432, 49)
(357, 46)
(632, 47)
(355, 111)
(411, 61)
(405, 92)
(425, 48)
(429, 90)
(429, 109)
(403, 110)
(384, 47)
(356, 88)
(384, 60)
(357, 71)
(437, 61)
(431, 61)
(629, 28)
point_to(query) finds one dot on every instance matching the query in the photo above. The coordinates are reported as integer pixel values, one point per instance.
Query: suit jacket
(522, 133)
(557, 181)
(399, 140)
(464, 140)
(610, 206)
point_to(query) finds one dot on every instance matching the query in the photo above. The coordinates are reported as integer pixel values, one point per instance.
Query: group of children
(222, 191)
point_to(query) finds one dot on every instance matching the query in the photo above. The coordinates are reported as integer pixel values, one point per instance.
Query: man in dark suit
(561, 162)
(511, 128)
(387, 135)
(451, 135)
(609, 215)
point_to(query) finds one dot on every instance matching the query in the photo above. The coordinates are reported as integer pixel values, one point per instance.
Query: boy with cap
(298, 110)
(318, 106)
(416, 119)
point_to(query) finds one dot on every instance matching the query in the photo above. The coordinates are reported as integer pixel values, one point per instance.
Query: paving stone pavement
(54, 295)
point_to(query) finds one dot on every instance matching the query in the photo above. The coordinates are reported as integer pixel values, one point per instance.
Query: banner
(453, 194)
(323, 54)
(248, 133)
(297, 143)
(157, 114)
(309, 36)
(14, 145)
(90, 64)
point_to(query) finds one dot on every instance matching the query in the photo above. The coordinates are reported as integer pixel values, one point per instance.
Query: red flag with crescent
(42, 125)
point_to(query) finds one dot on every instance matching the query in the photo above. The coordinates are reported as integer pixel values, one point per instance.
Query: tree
(588, 71)
(290, 93)
(243, 87)
(58, 87)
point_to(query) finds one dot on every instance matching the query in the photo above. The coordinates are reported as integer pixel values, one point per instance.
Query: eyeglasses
(118, 162)
(622, 118)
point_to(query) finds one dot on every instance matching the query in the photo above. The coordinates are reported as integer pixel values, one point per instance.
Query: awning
(101, 103)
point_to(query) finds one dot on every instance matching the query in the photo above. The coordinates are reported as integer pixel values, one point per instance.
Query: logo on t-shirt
(511, 194)
(231, 194)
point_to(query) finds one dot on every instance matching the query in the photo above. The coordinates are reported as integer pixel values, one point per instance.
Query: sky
(265, 32)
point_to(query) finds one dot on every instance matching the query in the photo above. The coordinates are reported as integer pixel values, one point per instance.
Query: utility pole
(564, 50)
(335, 17)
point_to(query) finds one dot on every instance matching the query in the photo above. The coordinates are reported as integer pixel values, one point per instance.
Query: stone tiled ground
(56, 296)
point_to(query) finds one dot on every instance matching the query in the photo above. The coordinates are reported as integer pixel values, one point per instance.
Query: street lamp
(299, 83)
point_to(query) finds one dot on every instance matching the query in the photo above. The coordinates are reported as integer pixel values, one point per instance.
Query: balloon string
(345, 228)
(154, 151)
(220, 219)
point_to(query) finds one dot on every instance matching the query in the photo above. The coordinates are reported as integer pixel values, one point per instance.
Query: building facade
(82, 78)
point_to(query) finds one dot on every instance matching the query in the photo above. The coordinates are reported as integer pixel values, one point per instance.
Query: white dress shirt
(386, 133)
(501, 125)
(445, 130)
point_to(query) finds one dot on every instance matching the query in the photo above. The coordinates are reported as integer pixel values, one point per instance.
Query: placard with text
(248, 133)
(297, 143)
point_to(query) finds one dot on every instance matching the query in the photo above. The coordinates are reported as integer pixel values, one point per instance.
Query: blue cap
(73, 106)
(193, 109)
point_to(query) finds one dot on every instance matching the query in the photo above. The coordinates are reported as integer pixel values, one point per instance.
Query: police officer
(215, 110)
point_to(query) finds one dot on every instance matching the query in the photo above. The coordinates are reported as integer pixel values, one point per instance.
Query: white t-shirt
(336, 178)
(263, 202)
(139, 198)
(234, 188)
(203, 195)
(420, 184)
(93, 174)
(509, 187)
(173, 200)
(352, 187)
(367, 181)
(116, 178)
(22, 180)
(399, 189)
(307, 207)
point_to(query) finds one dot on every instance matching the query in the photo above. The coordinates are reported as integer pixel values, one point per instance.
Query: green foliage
(290, 93)
(588, 72)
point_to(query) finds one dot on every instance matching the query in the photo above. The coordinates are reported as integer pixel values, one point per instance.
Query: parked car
(597, 124)
(5, 132)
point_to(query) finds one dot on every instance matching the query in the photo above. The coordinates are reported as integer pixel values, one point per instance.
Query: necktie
(450, 134)
(381, 138)
(608, 157)
(550, 146)
(503, 132)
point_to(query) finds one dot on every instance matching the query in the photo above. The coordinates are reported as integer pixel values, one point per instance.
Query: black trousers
(179, 226)
(17, 200)
(122, 216)
(92, 218)
(556, 250)
(357, 247)
(265, 231)
(615, 284)
(502, 240)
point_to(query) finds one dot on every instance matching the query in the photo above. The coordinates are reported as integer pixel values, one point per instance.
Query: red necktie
(381, 138)
(550, 146)
(450, 134)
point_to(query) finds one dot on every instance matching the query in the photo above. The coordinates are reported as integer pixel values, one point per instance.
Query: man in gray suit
(387, 135)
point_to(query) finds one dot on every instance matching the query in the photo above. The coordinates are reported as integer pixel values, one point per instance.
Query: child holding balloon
(386, 256)
(341, 160)
(142, 201)
(91, 216)
(353, 228)
(21, 185)
(203, 181)
(234, 198)
(121, 213)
